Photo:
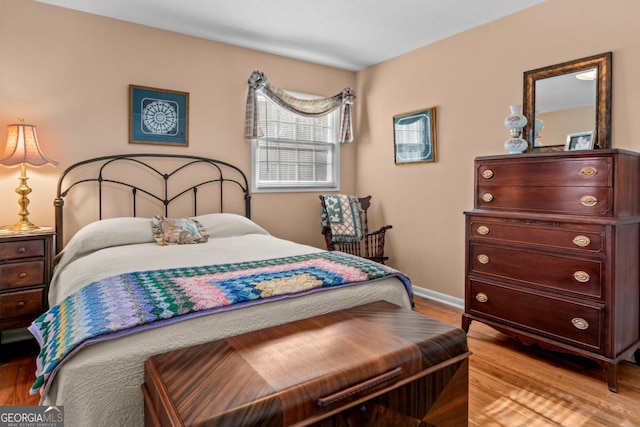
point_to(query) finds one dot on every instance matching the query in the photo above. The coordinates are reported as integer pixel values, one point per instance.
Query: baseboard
(439, 297)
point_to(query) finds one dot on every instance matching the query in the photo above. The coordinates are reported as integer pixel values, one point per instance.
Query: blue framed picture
(414, 136)
(158, 116)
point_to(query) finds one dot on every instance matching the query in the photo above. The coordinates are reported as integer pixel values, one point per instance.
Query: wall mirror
(568, 98)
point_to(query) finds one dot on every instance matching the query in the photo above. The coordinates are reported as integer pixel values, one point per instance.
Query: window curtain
(304, 107)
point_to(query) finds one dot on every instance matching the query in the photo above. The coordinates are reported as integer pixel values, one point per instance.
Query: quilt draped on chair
(342, 215)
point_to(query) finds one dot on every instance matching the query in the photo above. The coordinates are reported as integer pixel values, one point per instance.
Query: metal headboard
(220, 173)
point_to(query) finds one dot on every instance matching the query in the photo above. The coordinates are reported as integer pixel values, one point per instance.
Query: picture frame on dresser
(580, 141)
(158, 116)
(414, 136)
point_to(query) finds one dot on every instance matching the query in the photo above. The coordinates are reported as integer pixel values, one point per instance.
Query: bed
(110, 205)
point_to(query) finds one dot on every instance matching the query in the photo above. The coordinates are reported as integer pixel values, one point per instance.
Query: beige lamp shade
(22, 147)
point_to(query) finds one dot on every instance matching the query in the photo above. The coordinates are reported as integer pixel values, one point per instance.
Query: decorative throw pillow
(177, 231)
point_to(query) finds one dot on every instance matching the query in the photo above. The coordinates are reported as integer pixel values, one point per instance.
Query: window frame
(291, 187)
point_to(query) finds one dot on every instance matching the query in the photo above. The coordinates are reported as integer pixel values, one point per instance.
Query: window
(296, 153)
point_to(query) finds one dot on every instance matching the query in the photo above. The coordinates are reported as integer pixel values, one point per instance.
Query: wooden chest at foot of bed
(377, 364)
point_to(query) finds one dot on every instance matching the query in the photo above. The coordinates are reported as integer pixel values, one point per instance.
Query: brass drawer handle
(487, 197)
(488, 174)
(21, 304)
(582, 241)
(482, 297)
(483, 259)
(483, 229)
(588, 171)
(22, 250)
(22, 275)
(580, 323)
(581, 276)
(589, 201)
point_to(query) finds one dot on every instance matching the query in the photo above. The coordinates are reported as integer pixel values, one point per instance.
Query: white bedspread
(101, 384)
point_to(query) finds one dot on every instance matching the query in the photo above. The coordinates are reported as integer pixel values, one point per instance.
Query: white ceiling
(347, 34)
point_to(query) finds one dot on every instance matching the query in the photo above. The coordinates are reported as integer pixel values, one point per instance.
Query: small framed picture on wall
(414, 136)
(158, 116)
(580, 141)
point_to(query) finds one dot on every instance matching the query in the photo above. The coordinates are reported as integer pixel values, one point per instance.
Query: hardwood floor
(514, 385)
(17, 373)
(510, 385)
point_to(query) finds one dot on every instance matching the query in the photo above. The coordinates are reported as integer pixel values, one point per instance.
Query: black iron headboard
(209, 172)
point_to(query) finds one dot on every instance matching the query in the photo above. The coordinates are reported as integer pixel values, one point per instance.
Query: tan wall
(472, 78)
(68, 73)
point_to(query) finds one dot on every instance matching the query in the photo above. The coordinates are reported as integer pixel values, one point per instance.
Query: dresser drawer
(20, 304)
(550, 172)
(21, 249)
(540, 233)
(579, 324)
(21, 274)
(592, 201)
(571, 274)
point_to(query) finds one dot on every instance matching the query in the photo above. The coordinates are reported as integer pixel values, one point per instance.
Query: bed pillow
(106, 233)
(220, 225)
(177, 231)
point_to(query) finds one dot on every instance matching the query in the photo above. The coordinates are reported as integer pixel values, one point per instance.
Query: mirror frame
(602, 63)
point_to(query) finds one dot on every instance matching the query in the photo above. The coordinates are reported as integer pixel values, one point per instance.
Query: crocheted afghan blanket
(342, 214)
(132, 302)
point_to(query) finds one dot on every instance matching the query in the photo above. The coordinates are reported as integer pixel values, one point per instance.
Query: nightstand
(26, 261)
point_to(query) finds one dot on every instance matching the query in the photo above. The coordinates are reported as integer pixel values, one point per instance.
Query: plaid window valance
(304, 107)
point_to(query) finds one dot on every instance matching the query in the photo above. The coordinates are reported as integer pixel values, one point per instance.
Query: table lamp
(22, 148)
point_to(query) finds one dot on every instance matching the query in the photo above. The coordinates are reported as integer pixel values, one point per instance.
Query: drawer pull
(589, 201)
(582, 241)
(487, 197)
(22, 275)
(21, 304)
(580, 323)
(581, 276)
(488, 174)
(483, 229)
(22, 250)
(588, 171)
(483, 259)
(482, 297)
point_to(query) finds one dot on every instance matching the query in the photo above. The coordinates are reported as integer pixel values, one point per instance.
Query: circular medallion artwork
(160, 117)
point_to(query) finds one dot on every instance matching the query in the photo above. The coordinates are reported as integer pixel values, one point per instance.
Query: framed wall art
(580, 141)
(414, 136)
(158, 116)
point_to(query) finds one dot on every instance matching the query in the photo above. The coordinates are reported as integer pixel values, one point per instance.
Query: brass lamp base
(22, 226)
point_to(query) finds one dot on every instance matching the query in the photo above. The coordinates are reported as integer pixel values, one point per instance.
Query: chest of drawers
(553, 251)
(25, 271)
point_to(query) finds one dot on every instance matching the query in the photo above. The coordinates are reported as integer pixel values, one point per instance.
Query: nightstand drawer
(21, 249)
(21, 304)
(21, 274)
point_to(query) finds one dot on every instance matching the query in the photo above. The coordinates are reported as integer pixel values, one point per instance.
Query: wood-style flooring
(510, 384)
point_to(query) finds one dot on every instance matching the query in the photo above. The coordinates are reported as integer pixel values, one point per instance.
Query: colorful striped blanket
(133, 302)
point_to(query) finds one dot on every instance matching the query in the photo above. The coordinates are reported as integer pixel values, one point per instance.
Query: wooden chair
(373, 246)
